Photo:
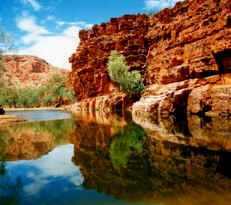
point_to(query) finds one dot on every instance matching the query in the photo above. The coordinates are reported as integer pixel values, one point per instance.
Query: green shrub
(119, 72)
(55, 92)
(152, 13)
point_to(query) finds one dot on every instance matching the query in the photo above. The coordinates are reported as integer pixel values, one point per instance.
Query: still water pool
(40, 114)
(113, 161)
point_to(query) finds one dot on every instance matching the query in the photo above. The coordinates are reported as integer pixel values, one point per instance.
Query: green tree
(130, 81)
(6, 44)
(54, 92)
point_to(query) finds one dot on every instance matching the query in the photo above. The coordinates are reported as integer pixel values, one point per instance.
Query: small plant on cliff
(129, 81)
(152, 13)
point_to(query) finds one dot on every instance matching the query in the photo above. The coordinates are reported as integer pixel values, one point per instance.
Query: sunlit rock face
(189, 49)
(126, 35)
(102, 107)
(197, 131)
(28, 71)
(170, 99)
(132, 165)
(185, 41)
(216, 99)
(187, 44)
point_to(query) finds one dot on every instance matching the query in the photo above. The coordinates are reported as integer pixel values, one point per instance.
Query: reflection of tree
(2, 168)
(9, 189)
(130, 140)
(31, 140)
(149, 169)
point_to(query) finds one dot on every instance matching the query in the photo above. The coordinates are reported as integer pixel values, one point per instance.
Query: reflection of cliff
(33, 139)
(101, 161)
(215, 132)
(149, 169)
(210, 132)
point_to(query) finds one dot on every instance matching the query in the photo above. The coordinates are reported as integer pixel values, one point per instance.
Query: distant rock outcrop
(28, 71)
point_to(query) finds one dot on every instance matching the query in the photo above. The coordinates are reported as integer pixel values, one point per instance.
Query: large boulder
(213, 100)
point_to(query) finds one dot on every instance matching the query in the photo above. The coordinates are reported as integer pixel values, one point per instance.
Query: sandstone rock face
(177, 50)
(28, 71)
(215, 99)
(126, 35)
(177, 44)
(102, 109)
(184, 41)
(161, 101)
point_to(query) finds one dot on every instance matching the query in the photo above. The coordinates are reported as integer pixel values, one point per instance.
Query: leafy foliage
(55, 92)
(6, 42)
(152, 13)
(130, 81)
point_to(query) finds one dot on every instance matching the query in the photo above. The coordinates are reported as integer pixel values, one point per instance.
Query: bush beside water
(129, 81)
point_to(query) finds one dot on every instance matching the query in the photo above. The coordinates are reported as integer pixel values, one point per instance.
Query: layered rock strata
(28, 71)
(126, 35)
(184, 45)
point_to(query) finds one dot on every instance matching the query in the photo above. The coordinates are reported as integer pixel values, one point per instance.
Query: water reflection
(214, 133)
(40, 114)
(129, 141)
(163, 162)
(9, 189)
(32, 140)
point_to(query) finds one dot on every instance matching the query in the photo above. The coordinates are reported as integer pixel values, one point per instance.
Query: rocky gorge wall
(189, 44)
(126, 35)
(28, 71)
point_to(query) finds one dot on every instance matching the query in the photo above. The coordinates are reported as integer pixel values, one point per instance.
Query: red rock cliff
(185, 41)
(28, 71)
(126, 35)
(191, 40)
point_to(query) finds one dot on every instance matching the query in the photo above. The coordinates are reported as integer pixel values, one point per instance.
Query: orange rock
(126, 35)
(188, 43)
(28, 71)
